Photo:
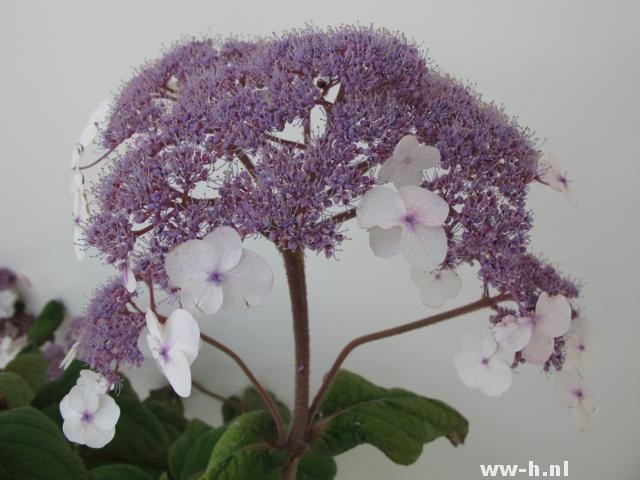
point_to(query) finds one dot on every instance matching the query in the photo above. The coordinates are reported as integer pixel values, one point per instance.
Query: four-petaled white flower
(436, 287)
(409, 221)
(484, 365)
(535, 334)
(9, 349)
(173, 346)
(409, 160)
(573, 392)
(89, 417)
(577, 345)
(8, 299)
(555, 175)
(217, 272)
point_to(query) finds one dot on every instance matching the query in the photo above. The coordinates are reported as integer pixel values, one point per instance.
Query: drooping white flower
(89, 132)
(93, 381)
(89, 418)
(578, 345)
(77, 183)
(574, 393)
(173, 346)
(408, 221)
(8, 299)
(484, 365)
(70, 356)
(9, 349)
(409, 160)
(555, 175)
(535, 334)
(217, 272)
(129, 280)
(436, 287)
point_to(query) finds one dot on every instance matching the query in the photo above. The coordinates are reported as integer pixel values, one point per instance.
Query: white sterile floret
(484, 365)
(555, 175)
(129, 280)
(174, 346)
(408, 221)
(574, 393)
(89, 418)
(8, 299)
(436, 287)
(408, 162)
(217, 272)
(535, 334)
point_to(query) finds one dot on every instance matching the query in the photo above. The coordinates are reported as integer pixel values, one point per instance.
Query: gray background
(568, 69)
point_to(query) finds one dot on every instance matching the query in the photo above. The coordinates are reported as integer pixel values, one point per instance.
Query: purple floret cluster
(214, 116)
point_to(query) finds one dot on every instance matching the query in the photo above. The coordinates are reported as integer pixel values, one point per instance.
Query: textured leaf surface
(316, 468)
(14, 390)
(31, 366)
(32, 448)
(47, 322)
(246, 450)
(396, 421)
(118, 472)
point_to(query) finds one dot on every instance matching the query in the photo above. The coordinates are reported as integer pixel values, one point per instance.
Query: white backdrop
(568, 69)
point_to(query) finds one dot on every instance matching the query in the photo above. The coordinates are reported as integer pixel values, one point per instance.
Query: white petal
(405, 146)
(246, 284)
(80, 206)
(78, 243)
(107, 414)
(380, 207)
(513, 333)
(88, 135)
(182, 333)
(467, 366)
(93, 381)
(66, 410)
(8, 299)
(70, 356)
(387, 169)
(177, 371)
(428, 208)
(201, 297)
(385, 243)
(191, 259)
(77, 183)
(495, 378)
(407, 174)
(143, 343)
(425, 155)
(99, 115)
(227, 246)
(94, 437)
(436, 287)
(76, 153)
(129, 280)
(539, 349)
(578, 344)
(153, 326)
(553, 314)
(424, 247)
(73, 429)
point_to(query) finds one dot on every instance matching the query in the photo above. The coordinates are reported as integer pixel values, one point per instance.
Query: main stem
(294, 265)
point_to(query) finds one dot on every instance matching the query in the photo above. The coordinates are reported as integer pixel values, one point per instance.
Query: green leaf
(316, 468)
(180, 448)
(189, 455)
(247, 450)
(250, 401)
(396, 421)
(14, 390)
(32, 367)
(32, 448)
(46, 323)
(168, 408)
(140, 438)
(119, 472)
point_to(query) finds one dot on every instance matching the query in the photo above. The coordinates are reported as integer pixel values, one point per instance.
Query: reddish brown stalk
(271, 406)
(390, 332)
